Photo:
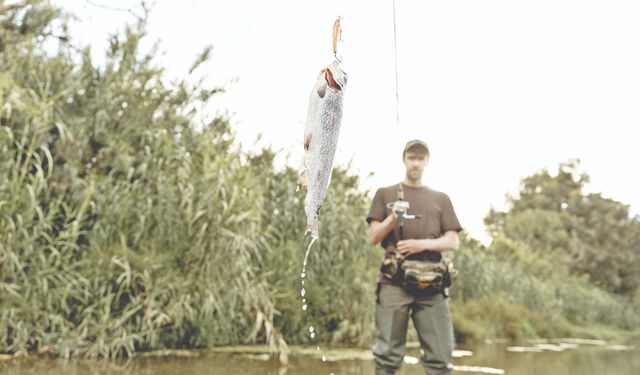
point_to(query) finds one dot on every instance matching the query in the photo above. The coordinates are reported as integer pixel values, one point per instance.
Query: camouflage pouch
(391, 264)
(428, 276)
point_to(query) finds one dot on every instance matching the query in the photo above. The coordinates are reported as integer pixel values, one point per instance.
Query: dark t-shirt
(438, 215)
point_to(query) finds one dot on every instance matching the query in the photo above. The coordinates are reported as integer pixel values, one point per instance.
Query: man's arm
(447, 242)
(378, 230)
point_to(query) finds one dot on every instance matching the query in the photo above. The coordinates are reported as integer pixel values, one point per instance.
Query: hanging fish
(321, 136)
(321, 139)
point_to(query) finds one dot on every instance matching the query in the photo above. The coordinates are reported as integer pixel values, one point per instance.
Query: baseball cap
(415, 143)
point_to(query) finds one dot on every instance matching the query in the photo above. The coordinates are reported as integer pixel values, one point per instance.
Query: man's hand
(408, 247)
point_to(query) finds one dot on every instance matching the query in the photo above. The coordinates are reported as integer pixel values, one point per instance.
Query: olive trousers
(431, 318)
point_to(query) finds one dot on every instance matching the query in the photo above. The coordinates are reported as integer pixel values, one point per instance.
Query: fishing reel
(400, 208)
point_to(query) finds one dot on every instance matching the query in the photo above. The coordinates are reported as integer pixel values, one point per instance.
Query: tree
(590, 234)
(128, 224)
(122, 221)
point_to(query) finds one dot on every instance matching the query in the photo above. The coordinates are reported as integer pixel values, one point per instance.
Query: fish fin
(322, 89)
(307, 141)
(302, 179)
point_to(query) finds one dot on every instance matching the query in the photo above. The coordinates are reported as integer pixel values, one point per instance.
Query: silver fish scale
(323, 128)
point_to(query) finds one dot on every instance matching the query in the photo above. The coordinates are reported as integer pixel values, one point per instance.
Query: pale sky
(498, 89)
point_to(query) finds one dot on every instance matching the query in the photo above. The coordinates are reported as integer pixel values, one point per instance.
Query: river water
(560, 358)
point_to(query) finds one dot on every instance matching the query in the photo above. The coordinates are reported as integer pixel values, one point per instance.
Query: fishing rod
(395, 56)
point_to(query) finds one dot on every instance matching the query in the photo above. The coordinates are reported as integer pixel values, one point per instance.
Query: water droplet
(324, 358)
(302, 282)
(302, 275)
(313, 335)
(302, 292)
(318, 348)
(311, 329)
(304, 307)
(304, 300)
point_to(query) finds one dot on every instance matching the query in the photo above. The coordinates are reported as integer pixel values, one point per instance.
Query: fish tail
(313, 230)
(302, 180)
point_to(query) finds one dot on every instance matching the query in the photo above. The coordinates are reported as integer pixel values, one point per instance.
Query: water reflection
(479, 369)
(488, 359)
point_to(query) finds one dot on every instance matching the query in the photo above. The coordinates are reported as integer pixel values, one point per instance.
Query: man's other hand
(408, 247)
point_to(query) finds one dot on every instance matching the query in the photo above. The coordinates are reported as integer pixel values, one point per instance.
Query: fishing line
(395, 56)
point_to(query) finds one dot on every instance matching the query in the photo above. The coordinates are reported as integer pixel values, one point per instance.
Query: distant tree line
(589, 234)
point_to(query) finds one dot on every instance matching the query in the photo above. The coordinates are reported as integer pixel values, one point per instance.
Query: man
(433, 231)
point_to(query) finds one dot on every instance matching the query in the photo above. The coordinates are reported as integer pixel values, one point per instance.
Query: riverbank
(562, 356)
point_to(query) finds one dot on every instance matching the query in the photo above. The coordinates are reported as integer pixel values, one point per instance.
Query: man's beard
(414, 175)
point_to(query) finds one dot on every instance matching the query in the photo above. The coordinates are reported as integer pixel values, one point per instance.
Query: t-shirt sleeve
(449, 218)
(377, 210)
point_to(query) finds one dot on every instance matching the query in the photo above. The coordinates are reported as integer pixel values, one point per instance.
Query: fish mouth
(336, 77)
(331, 82)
